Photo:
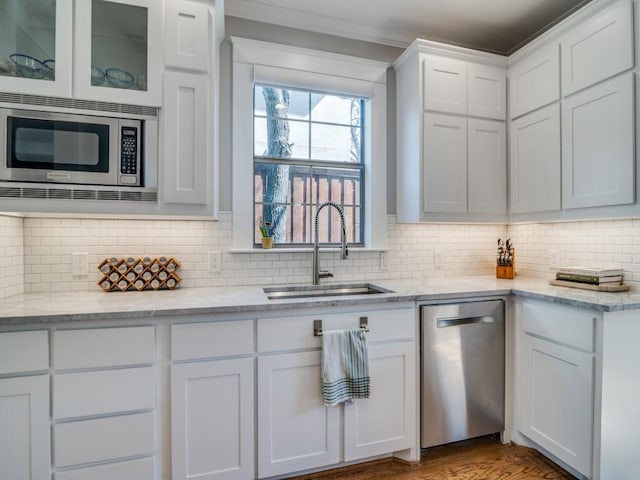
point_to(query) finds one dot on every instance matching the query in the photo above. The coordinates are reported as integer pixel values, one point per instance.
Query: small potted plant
(265, 231)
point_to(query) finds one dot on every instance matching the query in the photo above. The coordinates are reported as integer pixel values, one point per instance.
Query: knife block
(507, 271)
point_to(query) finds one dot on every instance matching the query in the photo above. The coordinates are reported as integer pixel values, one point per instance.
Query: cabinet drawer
(102, 347)
(24, 351)
(286, 333)
(141, 469)
(561, 324)
(102, 439)
(96, 393)
(213, 339)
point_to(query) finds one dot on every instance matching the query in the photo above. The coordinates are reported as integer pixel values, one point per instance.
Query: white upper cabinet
(105, 50)
(445, 85)
(187, 36)
(445, 163)
(486, 166)
(534, 159)
(534, 81)
(36, 46)
(598, 145)
(599, 48)
(117, 51)
(465, 88)
(487, 92)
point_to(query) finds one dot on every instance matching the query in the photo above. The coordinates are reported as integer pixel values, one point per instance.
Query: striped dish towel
(345, 365)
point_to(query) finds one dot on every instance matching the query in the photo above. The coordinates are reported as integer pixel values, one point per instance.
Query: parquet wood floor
(479, 459)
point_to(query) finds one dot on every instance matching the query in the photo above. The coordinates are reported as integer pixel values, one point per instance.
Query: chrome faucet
(317, 273)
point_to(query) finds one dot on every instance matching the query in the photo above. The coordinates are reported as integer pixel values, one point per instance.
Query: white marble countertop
(37, 308)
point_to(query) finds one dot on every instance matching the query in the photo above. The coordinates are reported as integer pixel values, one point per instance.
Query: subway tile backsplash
(11, 256)
(35, 253)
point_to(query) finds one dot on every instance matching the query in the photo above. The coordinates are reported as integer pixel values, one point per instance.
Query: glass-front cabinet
(35, 46)
(110, 52)
(117, 54)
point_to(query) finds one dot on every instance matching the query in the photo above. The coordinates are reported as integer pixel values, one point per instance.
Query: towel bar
(317, 326)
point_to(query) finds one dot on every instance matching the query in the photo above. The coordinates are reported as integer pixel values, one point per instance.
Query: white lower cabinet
(385, 422)
(212, 420)
(556, 391)
(25, 448)
(296, 432)
(212, 401)
(557, 404)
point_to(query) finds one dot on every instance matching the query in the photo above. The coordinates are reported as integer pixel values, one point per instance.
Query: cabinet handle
(317, 326)
(457, 322)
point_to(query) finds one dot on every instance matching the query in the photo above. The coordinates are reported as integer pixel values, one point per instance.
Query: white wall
(11, 256)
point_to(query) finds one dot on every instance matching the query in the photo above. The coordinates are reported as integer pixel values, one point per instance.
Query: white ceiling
(499, 26)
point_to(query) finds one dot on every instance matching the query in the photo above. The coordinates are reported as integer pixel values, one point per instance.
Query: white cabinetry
(25, 446)
(212, 401)
(534, 81)
(598, 145)
(599, 48)
(597, 156)
(190, 99)
(76, 43)
(535, 161)
(103, 402)
(450, 157)
(295, 430)
(557, 356)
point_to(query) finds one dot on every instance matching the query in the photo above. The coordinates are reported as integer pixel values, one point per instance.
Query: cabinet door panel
(445, 85)
(557, 401)
(187, 35)
(487, 166)
(295, 430)
(535, 81)
(487, 92)
(25, 448)
(599, 48)
(445, 163)
(535, 161)
(212, 420)
(185, 125)
(385, 422)
(598, 145)
(24, 351)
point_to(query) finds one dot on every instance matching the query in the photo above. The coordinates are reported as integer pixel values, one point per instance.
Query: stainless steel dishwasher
(462, 387)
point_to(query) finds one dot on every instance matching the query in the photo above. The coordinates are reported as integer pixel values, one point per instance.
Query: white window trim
(271, 63)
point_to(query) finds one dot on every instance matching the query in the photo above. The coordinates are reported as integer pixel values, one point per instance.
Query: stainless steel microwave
(49, 147)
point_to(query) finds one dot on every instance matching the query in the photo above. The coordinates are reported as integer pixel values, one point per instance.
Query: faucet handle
(325, 274)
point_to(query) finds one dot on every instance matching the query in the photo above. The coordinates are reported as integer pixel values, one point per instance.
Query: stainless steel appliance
(462, 387)
(49, 147)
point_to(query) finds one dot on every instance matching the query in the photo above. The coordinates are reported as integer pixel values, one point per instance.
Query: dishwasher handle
(460, 321)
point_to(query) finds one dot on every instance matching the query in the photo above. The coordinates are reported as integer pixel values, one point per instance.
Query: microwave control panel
(129, 151)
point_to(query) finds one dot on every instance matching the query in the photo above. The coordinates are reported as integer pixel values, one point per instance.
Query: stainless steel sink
(313, 291)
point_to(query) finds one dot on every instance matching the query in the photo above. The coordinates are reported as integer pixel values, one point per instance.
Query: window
(307, 150)
(334, 145)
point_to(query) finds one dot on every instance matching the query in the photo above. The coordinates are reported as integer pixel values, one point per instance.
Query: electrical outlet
(80, 263)
(215, 262)
(438, 260)
(384, 262)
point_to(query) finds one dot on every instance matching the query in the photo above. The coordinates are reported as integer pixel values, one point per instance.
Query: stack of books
(591, 276)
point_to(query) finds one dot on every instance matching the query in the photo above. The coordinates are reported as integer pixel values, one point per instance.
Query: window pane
(288, 195)
(332, 109)
(283, 103)
(329, 142)
(290, 140)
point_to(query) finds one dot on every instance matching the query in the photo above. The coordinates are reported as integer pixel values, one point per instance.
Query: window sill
(303, 250)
